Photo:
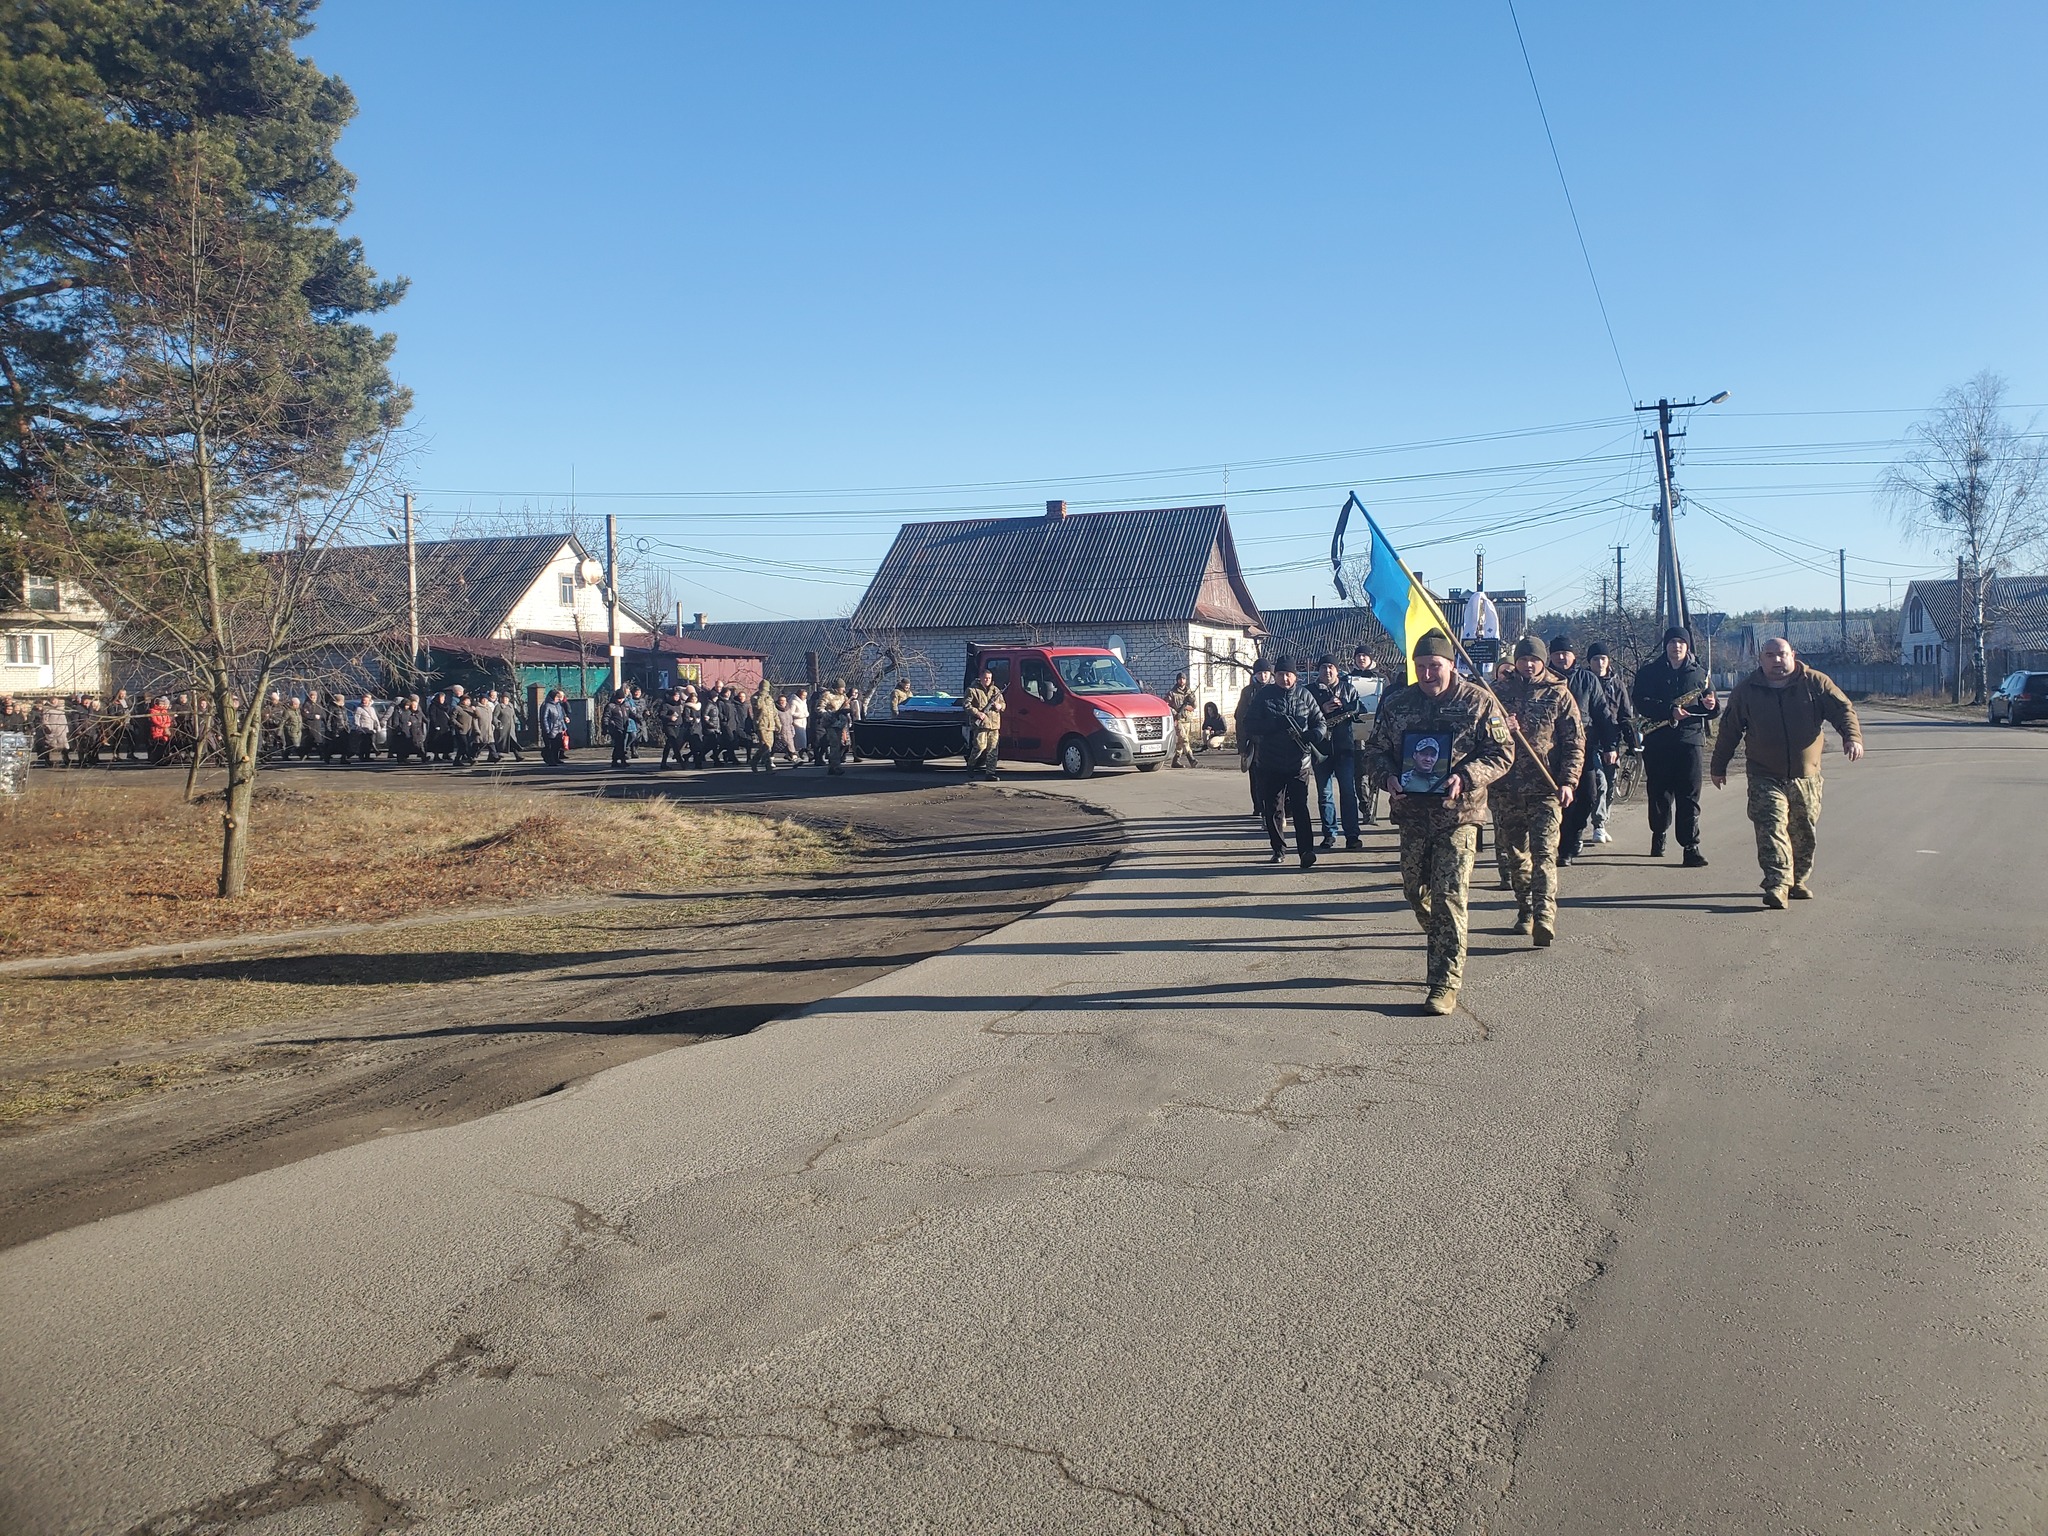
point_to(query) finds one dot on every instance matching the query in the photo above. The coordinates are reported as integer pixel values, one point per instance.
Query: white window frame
(566, 589)
(28, 649)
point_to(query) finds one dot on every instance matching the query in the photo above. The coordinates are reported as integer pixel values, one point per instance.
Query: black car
(2020, 698)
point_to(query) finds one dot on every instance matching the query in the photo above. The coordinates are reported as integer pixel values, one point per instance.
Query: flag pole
(1450, 633)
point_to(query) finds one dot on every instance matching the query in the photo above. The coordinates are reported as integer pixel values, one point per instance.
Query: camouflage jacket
(1481, 749)
(1548, 718)
(984, 707)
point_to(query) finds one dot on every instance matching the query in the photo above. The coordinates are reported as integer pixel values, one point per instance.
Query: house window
(568, 589)
(1208, 662)
(1919, 617)
(28, 650)
(41, 592)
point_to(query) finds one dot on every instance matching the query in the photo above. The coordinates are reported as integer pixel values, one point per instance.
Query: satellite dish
(589, 572)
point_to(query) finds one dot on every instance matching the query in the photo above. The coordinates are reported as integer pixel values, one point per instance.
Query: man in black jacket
(1284, 721)
(1675, 699)
(1602, 735)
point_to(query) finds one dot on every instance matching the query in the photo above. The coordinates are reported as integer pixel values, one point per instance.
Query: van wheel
(1076, 762)
(1150, 767)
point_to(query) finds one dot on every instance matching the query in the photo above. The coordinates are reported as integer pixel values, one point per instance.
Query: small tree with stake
(1972, 484)
(240, 434)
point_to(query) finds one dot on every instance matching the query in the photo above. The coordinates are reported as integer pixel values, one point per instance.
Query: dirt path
(943, 864)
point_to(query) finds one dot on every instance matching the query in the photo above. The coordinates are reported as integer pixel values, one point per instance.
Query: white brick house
(53, 639)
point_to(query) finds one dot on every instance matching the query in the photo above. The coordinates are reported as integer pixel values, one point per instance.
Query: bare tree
(1971, 485)
(241, 441)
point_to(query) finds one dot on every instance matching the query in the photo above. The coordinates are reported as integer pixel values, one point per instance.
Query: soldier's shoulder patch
(1497, 727)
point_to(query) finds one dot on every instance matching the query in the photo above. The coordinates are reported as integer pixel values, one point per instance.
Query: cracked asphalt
(1166, 1210)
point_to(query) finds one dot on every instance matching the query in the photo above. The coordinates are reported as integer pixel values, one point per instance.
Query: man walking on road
(1603, 742)
(1439, 719)
(1337, 769)
(1284, 723)
(1528, 803)
(1247, 744)
(1675, 698)
(1777, 713)
(1365, 685)
(984, 703)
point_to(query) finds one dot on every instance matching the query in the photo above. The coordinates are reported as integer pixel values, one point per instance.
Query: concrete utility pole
(412, 597)
(1842, 601)
(611, 599)
(1671, 606)
(1617, 578)
(1959, 629)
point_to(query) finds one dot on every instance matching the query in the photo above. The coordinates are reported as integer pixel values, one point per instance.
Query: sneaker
(1656, 845)
(1354, 845)
(1543, 937)
(1278, 855)
(1308, 863)
(1800, 893)
(1328, 844)
(1602, 835)
(1775, 900)
(1441, 1000)
(1694, 859)
(1564, 859)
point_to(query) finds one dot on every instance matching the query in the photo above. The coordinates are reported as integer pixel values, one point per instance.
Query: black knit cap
(1563, 643)
(1528, 645)
(1263, 665)
(1284, 664)
(1676, 633)
(1597, 648)
(1436, 643)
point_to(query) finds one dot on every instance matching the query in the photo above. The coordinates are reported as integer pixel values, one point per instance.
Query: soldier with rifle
(1674, 698)
(1288, 731)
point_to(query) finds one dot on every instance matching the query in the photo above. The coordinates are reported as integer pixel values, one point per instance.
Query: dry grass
(88, 865)
(56, 1032)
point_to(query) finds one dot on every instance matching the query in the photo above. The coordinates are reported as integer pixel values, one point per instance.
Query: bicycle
(1626, 770)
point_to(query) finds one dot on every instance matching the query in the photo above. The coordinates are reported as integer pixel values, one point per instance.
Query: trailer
(924, 729)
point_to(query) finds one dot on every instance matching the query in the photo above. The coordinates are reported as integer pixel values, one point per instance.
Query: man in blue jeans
(1337, 769)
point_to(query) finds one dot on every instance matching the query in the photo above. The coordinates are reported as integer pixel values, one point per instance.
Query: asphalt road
(1165, 1209)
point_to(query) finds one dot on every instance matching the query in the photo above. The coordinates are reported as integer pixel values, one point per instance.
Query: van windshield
(1095, 674)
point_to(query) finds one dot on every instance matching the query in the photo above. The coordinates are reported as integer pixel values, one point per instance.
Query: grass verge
(88, 864)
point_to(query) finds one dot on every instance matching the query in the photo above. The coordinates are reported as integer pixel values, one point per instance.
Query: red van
(1074, 705)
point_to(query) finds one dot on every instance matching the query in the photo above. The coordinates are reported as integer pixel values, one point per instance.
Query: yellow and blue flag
(1381, 582)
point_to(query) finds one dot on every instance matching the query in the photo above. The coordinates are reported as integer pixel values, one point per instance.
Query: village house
(53, 639)
(1162, 589)
(1932, 625)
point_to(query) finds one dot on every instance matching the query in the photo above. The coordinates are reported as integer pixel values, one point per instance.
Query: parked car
(1077, 706)
(2020, 698)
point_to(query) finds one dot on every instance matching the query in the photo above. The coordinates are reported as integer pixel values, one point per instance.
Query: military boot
(1543, 936)
(1441, 1000)
(1522, 921)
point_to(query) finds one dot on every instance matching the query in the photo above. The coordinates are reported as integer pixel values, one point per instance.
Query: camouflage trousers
(1436, 868)
(1529, 831)
(1786, 815)
(981, 750)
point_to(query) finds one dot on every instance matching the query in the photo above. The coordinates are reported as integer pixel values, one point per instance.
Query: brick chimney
(1055, 510)
(702, 621)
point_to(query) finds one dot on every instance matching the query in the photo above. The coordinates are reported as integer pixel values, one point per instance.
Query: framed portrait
(1425, 762)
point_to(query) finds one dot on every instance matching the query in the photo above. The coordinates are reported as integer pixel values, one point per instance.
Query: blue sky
(766, 280)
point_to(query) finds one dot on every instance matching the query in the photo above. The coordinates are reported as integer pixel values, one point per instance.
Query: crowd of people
(720, 725)
(1535, 754)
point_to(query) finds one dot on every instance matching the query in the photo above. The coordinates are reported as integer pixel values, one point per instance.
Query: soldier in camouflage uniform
(1777, 714)
(1528, 808)
(1439, 836)
(984, 703)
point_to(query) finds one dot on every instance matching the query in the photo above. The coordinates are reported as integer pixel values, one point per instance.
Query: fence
(1891, 678)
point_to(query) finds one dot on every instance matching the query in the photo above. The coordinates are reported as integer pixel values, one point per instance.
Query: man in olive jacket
(1440, 832)
(1777, 713)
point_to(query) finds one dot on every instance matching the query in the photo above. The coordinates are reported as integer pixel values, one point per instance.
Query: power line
(1571, 206)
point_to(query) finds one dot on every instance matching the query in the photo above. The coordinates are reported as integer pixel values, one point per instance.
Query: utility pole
(1671, 605)
(1603, 597)
(611, 599)
(1842, 577)
(1617, 578)
(412, 598)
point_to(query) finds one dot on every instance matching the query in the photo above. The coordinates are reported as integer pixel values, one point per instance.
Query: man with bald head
(1777, 715)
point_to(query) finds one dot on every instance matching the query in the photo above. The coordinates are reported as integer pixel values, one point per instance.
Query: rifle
(1677, 708)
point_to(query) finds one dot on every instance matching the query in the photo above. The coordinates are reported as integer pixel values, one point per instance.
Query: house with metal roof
(1933, 625)
(1162, 588)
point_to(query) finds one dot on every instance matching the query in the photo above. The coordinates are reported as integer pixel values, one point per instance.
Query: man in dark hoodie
(1286, 723)
(1674, 698)
(1777, 714)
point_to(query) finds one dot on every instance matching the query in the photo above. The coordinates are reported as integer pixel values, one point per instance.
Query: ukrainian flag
(1403, 606)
